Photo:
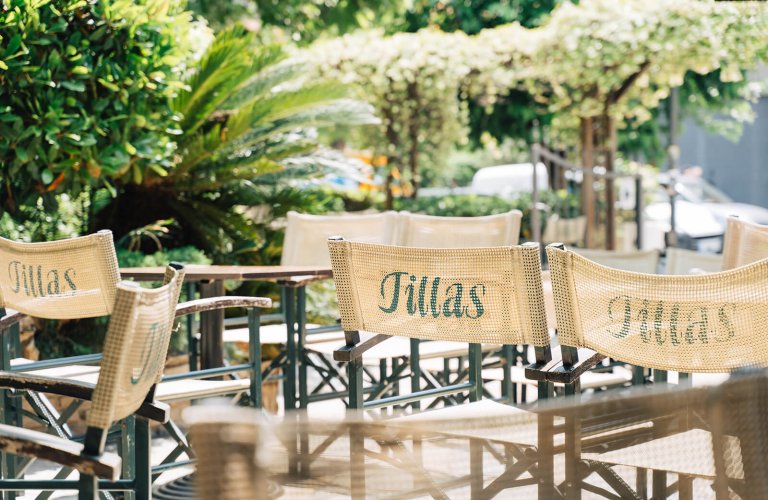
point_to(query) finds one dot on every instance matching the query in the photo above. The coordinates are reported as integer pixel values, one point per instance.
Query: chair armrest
(300, 281)
(10, 318)
(554, 371)
(348, 353)
(29, 443)
(214, 303)
(152, 410)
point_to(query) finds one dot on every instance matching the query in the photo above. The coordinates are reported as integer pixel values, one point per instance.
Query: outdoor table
(211, 282)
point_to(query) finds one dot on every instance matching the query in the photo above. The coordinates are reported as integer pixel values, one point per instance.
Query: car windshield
(697, 190)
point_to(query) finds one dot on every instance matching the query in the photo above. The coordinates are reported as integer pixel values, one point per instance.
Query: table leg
(289, 382)
(212, 328)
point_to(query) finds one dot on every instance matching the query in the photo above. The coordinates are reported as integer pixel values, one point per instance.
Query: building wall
(739, 169)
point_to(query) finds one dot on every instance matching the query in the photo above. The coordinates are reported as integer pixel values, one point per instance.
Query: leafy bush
(185, 255)
(85, 91)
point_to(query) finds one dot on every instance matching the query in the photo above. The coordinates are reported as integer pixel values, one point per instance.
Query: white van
(509, 180)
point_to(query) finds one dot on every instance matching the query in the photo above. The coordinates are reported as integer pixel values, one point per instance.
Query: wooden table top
(196, 272)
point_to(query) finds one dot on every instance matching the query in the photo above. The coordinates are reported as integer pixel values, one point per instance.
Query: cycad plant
(247, 120)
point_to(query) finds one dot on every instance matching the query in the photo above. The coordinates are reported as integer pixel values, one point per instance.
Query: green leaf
(13, 44)
(110, 86)
(22, 155)
(74, 86)
(158, 170)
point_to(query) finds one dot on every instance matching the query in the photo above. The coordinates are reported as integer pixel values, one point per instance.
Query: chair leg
(475, 372)
(88, 487)
(355, 377)
(415, 371)
(301, 320)
(357, 461)
(8, 402)
(254, 346)
(572, 447)
(477, 481)
(289, 382)
(127, 450)
(546, 454)
(143, 460)
(685, 487)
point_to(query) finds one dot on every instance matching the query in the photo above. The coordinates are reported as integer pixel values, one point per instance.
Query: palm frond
(263, 82)
(283, 104)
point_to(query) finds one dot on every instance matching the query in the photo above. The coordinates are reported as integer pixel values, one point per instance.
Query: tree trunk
(609, 145)
(587, 183)
(413, 136)
(389, 201)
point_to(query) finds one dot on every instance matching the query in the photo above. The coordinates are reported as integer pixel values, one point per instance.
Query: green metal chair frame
(88, 265)
(591, 328)
(135, 348)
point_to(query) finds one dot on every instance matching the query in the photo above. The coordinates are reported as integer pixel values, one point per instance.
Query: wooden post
(610, 192)
(587, 193)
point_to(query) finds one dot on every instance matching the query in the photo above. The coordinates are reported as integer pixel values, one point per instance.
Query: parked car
(700, 213)
(508, 181)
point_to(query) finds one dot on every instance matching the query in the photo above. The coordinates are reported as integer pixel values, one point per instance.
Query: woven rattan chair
(744, 242)
(416, 230)
(305, 245)
(706, 323)
(474, 296)
(387, 364)
(134, 354)
(641, 261)
(77, 278)
(645, 261)
(682, 261)
(477, 296)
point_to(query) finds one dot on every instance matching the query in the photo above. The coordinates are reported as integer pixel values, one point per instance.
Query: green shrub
(185, 255)
(85, 90)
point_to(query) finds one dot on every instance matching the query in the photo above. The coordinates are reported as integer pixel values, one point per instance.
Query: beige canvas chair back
(64, 279)
(227, 441)
(306, 235)
(705, 323)
(416, 230)
(744, 242)
(481, 295)
(682, 261)
(135, 348)
(639, 261)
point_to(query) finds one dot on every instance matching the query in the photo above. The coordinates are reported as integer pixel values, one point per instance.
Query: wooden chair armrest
(10, 318)
(554, 371)
(300, 281)
(214, 303)
(152, 410)
(29, 443)
(348, 353)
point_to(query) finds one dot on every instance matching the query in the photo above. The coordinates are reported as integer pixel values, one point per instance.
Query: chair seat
(520, 426)
(397, 347)
(694, 455)
(278, 334)
(166, 391)
(589, 380)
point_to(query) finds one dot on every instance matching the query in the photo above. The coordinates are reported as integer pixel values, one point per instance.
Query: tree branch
(616, 95)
